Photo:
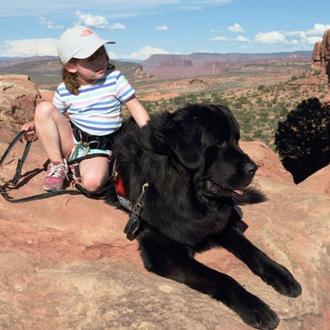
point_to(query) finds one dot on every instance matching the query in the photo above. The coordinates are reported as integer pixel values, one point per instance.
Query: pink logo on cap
(86, 33)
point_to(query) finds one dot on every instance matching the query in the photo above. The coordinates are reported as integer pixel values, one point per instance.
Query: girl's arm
(138, 112)
(30, 132)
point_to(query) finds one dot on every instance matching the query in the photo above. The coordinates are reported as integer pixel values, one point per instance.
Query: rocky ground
(66, 263)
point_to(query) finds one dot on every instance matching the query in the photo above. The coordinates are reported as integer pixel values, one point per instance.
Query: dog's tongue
(238, 192)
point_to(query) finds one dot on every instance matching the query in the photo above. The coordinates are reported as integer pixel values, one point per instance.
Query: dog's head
(204, 140)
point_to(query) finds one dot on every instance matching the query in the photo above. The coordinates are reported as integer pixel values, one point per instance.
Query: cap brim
(91, 48)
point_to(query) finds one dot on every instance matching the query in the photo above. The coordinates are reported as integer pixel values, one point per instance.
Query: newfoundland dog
(197, 175)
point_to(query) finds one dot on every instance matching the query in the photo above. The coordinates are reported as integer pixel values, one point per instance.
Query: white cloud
(115, 8)
(30, 47)
(235, 28)
(118, 26)
(302, 38)
(145, 52)
(242, 39)
(273, 37)
(220, 38)
(95, 21)
(294, 38)
(162, 28)
(318, 29)
(312, 40)
(49, 24)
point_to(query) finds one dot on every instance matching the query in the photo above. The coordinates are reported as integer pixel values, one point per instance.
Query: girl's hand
(138, 112)
(30, 132)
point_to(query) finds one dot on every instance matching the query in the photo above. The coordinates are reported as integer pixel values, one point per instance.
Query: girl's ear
(70, 67)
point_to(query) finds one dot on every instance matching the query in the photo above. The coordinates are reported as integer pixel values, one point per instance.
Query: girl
(91, 96)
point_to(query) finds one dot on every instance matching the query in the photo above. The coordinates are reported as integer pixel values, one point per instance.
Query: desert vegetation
(259, 108)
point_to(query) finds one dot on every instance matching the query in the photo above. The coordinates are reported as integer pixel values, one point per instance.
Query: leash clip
(134, 224)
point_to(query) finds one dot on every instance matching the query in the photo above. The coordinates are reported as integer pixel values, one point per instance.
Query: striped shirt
(97, 108)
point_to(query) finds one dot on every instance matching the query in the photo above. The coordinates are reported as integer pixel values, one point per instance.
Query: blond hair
(71, 80)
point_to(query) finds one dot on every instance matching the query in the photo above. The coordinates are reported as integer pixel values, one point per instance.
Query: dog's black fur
(197, 175)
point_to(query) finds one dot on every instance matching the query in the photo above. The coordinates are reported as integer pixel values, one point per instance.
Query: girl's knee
(92, 182)
(44, 109)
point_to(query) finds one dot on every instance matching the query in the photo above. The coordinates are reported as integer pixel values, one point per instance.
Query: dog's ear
(185, 143)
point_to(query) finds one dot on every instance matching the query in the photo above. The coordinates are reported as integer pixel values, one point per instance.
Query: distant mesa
(203, 64)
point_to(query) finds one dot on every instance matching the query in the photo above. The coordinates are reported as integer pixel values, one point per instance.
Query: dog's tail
(250, 196)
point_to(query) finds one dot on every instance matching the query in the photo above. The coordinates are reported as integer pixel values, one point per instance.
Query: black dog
(197, 175)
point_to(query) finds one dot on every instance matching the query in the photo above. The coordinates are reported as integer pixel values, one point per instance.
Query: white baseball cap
(79, 42)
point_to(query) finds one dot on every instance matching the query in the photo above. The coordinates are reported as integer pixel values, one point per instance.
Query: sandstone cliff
(321, 55)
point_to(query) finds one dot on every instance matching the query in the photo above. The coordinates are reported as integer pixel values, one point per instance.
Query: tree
(303, 139)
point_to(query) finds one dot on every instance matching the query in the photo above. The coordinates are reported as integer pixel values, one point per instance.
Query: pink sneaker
(55, 176)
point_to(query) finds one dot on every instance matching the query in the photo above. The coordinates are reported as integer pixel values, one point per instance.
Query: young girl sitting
(91, 96)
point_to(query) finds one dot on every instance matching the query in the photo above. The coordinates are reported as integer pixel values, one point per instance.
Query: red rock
(321, 54)
(66, 264)
(317, 52)
(46, 95)
(326, 45)
(268, 162)
(318, 182)
(18, 99)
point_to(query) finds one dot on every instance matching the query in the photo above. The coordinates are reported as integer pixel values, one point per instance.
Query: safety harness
(14, 182)
(112, 190)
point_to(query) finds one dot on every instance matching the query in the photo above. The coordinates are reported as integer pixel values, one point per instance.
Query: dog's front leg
(271, 272)
(173, 260)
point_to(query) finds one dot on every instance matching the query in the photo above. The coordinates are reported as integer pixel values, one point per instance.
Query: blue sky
(142, 28)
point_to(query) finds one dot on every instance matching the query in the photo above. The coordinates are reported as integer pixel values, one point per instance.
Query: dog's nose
(250, 168)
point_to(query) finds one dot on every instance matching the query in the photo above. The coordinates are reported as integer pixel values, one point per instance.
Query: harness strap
(103, 142)
(20, 163)
(105, 193)
(45, 195)
(11, 145)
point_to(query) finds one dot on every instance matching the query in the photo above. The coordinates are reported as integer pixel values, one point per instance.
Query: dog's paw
(258, 315)
(282, 281)
(287, 286)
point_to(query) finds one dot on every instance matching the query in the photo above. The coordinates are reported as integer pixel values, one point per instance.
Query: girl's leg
(94, 172)
(55, 135)
(54, 132)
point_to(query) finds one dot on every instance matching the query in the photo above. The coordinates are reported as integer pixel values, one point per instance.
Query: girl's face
(91, 68)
